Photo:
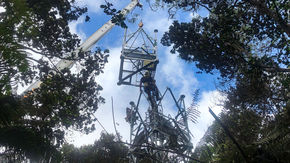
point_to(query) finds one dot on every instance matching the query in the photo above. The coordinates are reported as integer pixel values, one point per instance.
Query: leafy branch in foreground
(33, 36)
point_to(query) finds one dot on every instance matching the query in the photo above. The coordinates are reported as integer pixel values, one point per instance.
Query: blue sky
(172, 72)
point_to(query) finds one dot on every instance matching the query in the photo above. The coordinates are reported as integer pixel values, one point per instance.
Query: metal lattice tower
(155, 137)
(139, 54)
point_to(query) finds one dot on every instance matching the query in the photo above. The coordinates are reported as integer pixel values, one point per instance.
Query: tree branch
(276, 69)
(32, 59)
(25, 47)
(202, 5)
(263, 9)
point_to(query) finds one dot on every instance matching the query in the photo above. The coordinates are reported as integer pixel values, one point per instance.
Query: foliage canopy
(247, 42)
(34, 36)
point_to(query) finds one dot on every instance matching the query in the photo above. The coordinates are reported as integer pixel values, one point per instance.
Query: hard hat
(147, 73)
(140, 24)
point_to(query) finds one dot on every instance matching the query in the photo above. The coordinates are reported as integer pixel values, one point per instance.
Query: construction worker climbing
(149, 87)
(131, 116)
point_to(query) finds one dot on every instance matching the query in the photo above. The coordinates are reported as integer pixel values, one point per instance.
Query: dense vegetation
(106, 149)
(247, 42)
(33, 125)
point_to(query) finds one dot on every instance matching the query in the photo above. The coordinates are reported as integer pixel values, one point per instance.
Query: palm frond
(192, 111)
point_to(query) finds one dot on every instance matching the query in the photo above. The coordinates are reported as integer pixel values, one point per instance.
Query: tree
(248, 43)
(245, 127)
(106, 149)
(242, 43)
(30, 26)
(65, 99)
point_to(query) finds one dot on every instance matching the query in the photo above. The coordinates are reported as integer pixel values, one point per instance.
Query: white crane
(87, 45)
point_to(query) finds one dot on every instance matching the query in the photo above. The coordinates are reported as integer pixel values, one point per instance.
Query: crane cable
(114, 120)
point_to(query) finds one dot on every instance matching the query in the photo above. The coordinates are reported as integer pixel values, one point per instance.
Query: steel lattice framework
(139, 53)
(158, 137)
(155, 137)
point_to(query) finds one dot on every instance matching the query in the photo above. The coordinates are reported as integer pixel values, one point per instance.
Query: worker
(149, 87)
(130, 115)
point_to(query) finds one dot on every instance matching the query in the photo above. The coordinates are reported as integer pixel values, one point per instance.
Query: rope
(101, 124)
(114, 120)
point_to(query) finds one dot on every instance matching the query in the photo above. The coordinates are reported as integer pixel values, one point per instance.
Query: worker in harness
(150, 87)
(130, 116)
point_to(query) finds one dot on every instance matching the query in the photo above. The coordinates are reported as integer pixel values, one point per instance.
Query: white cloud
(118, 4)
(73, 26)
(193, 15)
(92, 5)
(156, 20)
(175, 72)
(2, 9)
(211, 99)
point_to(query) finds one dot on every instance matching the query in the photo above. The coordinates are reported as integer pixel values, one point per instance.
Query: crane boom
(87, 45)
